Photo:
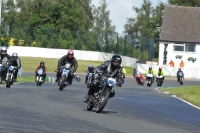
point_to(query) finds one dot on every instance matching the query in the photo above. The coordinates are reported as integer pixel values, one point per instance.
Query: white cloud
(120, 10)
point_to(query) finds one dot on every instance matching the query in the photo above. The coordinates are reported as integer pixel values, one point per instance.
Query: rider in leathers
(16, 62)
(5, 60)
(113, 69)
(69, 58)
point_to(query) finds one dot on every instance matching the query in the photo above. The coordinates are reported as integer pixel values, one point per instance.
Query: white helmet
(3, 50)
(14, 55)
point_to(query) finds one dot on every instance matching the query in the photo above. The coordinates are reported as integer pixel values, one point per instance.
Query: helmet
(42, 62)
(160, 68)
(150, 67)
(14, 55)
(70, 54)
(116, 60)
(3, 50)
(90, 67)
(179, 69)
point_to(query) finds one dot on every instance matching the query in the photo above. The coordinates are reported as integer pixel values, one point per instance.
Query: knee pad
(112, 93)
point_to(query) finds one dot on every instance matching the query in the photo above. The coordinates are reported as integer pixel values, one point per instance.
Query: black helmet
(116, 60)
(42, 62)
(150, 68)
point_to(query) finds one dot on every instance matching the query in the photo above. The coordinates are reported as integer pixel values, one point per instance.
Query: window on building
(185, 47)
(190, 47)
(178, 47)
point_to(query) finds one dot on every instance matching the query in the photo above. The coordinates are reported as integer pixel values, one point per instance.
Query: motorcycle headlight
(111, 82)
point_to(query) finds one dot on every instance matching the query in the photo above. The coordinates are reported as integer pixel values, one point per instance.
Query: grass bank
(29, 64)
(188, 93)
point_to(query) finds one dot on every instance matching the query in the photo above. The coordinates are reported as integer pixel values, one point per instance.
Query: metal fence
(123, 44)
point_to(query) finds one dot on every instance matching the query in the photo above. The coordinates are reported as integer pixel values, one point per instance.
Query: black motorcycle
(180, 76)
(39, 78)
(10, 76)
(101, 94)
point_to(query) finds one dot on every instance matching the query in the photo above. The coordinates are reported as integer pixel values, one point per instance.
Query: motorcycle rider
(123, 72)
(113, 69)
(137, 75)
(5, 60)
(16, 62)
(41, 66)
(69, 58)
(160, 72)
(177, 74)
(91, 69)
(150, 71)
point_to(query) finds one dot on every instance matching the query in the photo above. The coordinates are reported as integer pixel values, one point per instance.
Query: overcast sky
(122, 9)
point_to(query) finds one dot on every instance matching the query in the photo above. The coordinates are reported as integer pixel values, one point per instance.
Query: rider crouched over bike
(69, 58)
(150, 71)
(16, 62)
(41, 66)
(5, 60)
(91, 69)
(160, 72)
(111, 68)
(137, 75)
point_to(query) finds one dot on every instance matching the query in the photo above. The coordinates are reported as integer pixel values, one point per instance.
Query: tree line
(77, 24)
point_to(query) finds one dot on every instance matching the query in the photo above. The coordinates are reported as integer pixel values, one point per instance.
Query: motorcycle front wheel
(61, 84)
(103, 101)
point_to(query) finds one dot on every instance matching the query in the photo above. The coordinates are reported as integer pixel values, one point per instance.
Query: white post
(0, 10)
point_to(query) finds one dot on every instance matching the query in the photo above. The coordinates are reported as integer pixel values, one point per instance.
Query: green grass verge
(26, 79)
(188, 93)
(29, 64)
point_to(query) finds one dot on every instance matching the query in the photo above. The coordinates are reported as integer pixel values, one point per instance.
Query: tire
(89, 107)
(37, 83)
(158, 82)
(61, 84)
(181, 81)
(78, 79)
(102, 104)
(8, 82)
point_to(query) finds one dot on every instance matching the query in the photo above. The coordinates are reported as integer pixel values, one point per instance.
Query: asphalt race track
(26, 108)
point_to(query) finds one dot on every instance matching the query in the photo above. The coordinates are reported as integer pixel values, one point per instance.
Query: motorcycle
(0, 73)
(39, 78)
(64, 75)
(10, 76)
(77, 78)
(141, 82)
(159, 80)
(89, 81)
(149, 79)
(101, 94)
(180, 75)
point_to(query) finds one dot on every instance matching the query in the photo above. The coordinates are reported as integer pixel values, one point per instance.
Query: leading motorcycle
(10, 76)
(102, 94)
